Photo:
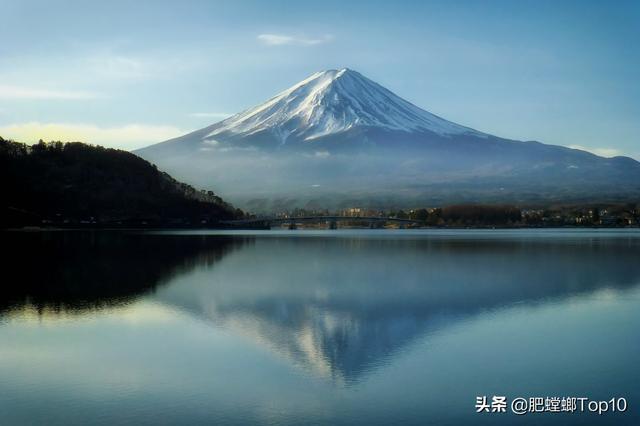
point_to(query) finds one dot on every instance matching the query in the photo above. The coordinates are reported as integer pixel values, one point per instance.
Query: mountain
(75, 183)
(339, 139)
(327, 103)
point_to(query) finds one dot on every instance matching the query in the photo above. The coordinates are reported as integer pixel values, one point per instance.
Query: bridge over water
(331, 221)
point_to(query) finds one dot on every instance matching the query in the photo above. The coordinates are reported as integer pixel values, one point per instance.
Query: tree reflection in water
(80, 271)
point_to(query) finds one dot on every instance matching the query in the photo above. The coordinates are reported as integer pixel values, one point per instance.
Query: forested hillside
(75, 183)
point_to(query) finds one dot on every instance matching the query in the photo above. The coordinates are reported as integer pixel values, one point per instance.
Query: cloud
(283, 40)
(210, 114)
(129, 136)
(20, 92)
(602, 151)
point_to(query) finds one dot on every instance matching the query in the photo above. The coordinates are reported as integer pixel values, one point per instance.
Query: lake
(316, 327)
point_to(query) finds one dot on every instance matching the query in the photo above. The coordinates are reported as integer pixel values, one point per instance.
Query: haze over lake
(316, 327)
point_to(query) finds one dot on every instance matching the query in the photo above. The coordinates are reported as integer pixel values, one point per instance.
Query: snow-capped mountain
(337, 135)
(331, 102)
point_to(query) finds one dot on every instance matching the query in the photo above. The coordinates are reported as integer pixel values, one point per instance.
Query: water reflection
(337, 307)
(342, 306)
(78, 272)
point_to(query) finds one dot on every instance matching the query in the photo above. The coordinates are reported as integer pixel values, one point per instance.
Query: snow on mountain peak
(330, 102)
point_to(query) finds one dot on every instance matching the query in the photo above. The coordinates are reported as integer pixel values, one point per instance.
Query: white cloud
(602, 151)
(21, 92)
(282, 40)
(129, 136)
(210, 114)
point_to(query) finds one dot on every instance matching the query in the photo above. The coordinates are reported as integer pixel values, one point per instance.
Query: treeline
(471, 215)
(465, 215)
(482, 215)
(67, 183)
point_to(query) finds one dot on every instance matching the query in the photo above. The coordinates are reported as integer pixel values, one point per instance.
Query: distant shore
(300, 228)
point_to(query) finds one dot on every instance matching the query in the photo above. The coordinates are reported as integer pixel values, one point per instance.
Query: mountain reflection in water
(340, 306)
(337, 307)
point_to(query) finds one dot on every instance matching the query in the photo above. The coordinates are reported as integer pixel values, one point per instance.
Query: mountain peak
(330, 102)
(336, 73)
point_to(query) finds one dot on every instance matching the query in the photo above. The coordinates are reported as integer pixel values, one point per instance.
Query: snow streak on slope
(331, 102)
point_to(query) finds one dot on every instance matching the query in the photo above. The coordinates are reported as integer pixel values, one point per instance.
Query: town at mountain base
(338, 139)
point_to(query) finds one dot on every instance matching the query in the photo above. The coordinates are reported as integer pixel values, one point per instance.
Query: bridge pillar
(292, 225)
(333, 224)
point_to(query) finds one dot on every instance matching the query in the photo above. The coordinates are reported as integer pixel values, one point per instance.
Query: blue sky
(129, 74)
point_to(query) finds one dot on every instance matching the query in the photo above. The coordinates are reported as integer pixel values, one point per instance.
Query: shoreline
(284, 228)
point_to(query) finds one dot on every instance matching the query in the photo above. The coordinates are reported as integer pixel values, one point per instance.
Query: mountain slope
(340, 138)
(73, 182)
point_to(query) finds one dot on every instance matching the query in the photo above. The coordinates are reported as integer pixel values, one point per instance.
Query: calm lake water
(316, 327)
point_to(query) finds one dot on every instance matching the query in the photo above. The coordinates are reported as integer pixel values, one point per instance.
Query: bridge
(331, 221)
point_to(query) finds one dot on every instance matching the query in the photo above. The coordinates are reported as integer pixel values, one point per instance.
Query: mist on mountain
(338, 139)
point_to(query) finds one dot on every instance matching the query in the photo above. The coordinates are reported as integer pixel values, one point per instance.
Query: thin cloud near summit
(283, 40)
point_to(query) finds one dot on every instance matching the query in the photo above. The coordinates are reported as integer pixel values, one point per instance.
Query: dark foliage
(467, 215)
(74, 182)
(481, 215)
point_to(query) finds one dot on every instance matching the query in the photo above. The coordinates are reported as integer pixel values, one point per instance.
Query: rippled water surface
(315, 327)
